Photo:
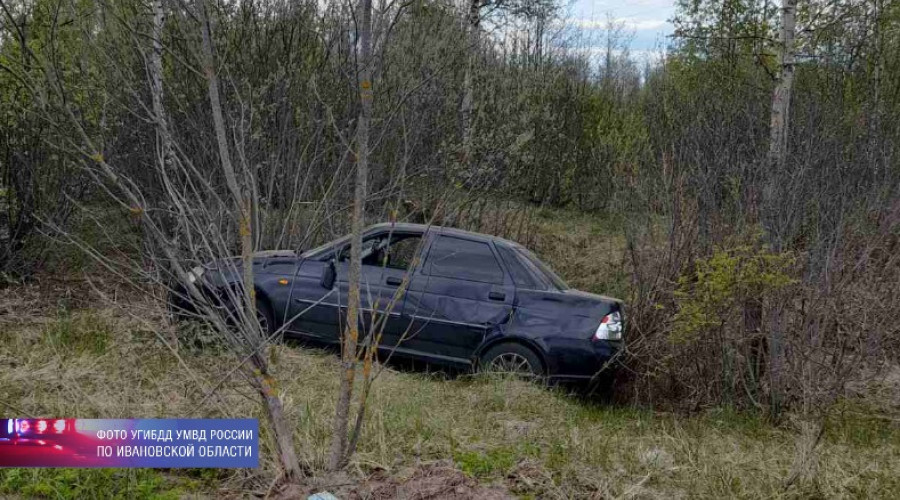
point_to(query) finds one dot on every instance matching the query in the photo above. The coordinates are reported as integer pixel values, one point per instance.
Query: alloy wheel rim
(511, 363)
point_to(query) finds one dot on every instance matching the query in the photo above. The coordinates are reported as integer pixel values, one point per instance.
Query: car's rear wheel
(512, 359)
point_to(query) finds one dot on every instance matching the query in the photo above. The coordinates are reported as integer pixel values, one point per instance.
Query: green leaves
(712, 295)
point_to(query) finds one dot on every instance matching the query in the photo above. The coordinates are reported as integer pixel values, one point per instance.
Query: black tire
(511, 358)
(266, 317)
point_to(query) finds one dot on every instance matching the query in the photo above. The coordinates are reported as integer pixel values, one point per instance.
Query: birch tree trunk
(163, 142)
(877, 107)
(156, 85)
(467, 107)
(778, 145)
(781, 96)
(351, 334)
(263, 381)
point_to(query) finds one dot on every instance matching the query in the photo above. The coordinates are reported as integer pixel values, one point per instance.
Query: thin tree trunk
(877, 108)
(781, 96)
(241, 199)
(284, 434)
(163, 142)
(351, 334)
(156, 84)
(263, 381)
(777, 157)
(467, 108)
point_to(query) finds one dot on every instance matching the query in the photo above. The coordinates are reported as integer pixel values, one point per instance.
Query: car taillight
(610, 327)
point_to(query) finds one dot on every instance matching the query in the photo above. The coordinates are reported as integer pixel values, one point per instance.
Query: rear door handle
(394, 281)
(497, 296)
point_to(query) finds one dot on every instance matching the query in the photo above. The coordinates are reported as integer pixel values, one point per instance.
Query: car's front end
(217, 281)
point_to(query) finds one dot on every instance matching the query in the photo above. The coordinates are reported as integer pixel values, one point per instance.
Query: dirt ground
(432, 481)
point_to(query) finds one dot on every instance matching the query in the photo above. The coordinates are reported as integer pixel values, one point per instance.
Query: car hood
(229, 269)
(264, 254)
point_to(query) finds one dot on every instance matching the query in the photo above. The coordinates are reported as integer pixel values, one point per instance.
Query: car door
(312, 309)
(386, 258)
(402, 259)
(318, 312)
(458, 295)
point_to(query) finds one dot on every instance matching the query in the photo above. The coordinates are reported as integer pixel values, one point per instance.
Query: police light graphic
(154, 443)
(30, 427)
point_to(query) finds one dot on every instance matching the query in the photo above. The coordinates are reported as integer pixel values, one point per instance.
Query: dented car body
(441, 295)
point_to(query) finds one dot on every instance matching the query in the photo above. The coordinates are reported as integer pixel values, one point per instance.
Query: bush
(719, 355)
(712, 297)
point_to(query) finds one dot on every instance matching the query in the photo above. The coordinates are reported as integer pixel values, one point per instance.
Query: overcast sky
(648, 20)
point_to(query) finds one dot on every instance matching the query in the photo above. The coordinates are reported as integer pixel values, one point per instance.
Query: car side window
(392, 251)
(464, 259)
(369, 246)
(401, 253)
(520, 275)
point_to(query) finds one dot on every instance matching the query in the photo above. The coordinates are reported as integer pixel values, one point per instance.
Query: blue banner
(162, 443)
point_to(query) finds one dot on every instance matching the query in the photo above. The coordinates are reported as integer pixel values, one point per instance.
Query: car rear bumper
(580, 359)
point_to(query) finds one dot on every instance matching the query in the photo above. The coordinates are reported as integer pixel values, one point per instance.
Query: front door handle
(497, 296)
(394, 281)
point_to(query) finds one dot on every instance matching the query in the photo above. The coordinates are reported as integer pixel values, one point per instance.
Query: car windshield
(544, 269)
(314, 253)
(322, 251)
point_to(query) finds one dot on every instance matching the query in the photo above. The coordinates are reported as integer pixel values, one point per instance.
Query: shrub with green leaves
(712, 296)
(712, 352)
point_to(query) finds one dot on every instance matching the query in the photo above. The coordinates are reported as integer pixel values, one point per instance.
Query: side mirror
(328, 275)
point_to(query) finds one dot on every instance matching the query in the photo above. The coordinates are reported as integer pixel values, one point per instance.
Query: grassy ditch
(530, 441)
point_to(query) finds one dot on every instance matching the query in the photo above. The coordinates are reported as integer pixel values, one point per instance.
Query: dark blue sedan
(441, 295)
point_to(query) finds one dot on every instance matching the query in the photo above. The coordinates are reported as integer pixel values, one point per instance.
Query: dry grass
(67, 351)
(531, 441)
(588, 250)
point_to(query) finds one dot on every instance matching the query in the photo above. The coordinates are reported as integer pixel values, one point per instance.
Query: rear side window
(463, 259)
(520, 275)
(547, 275)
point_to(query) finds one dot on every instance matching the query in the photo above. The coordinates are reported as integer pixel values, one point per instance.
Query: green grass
(80, 333)
(535, 441)
(74, 484)
(485, 464)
